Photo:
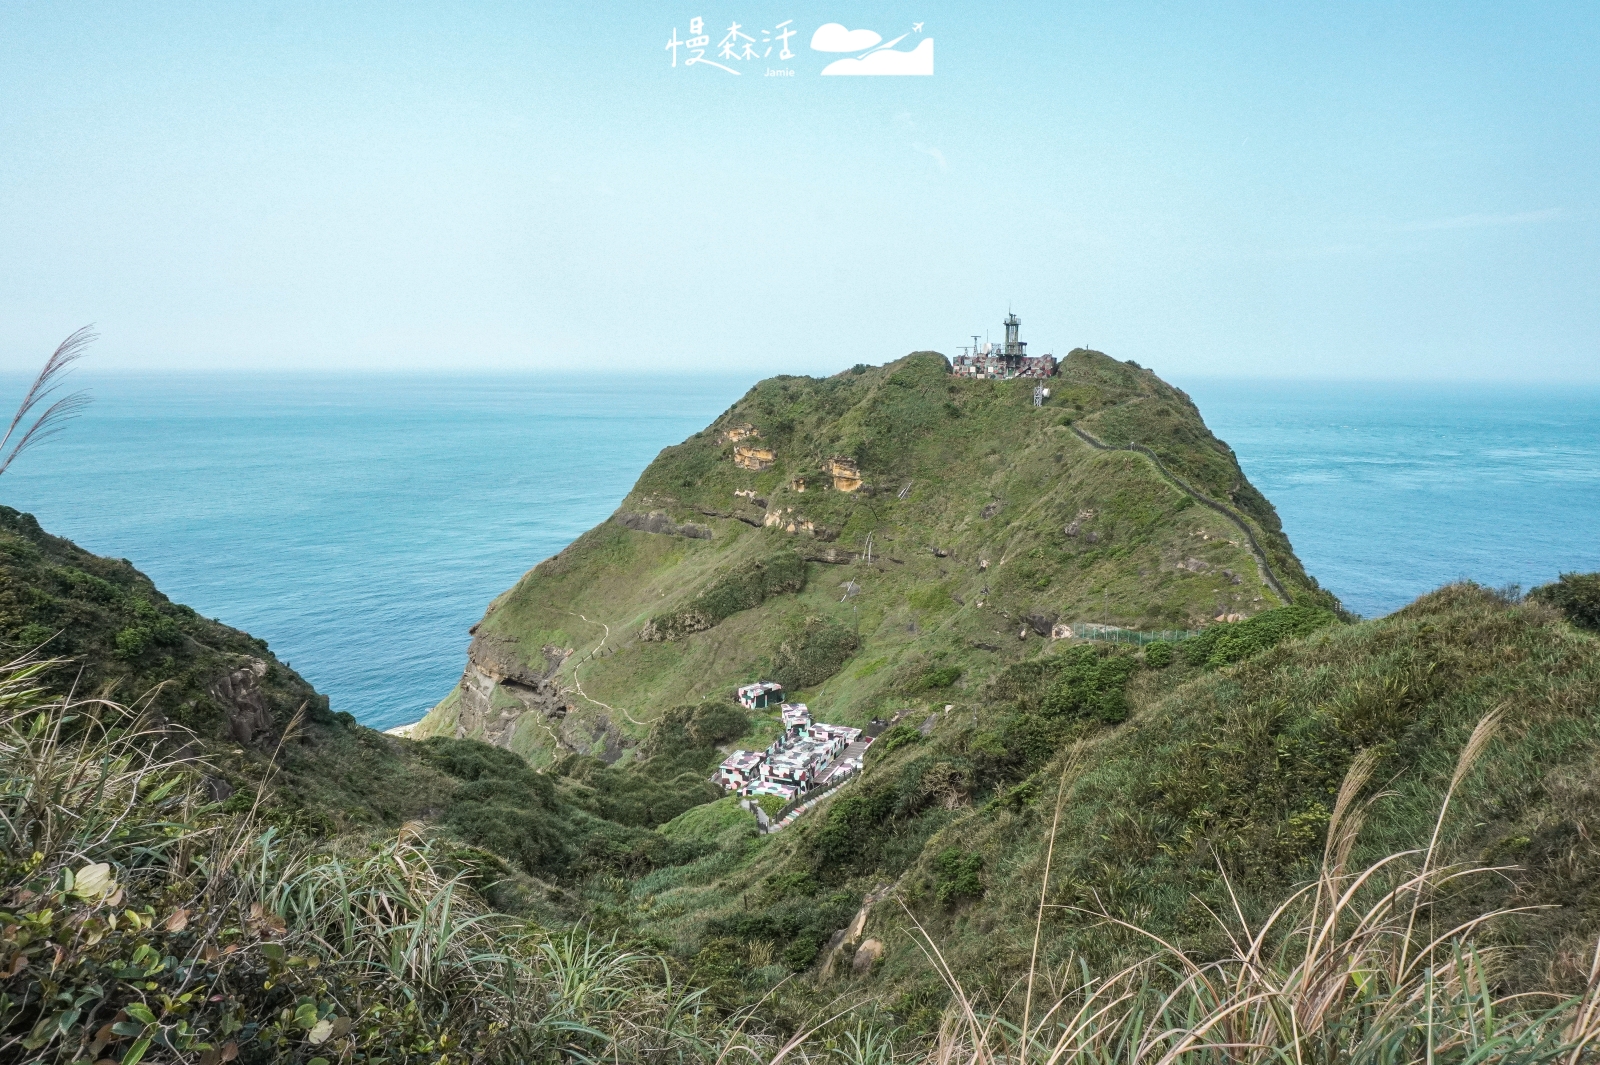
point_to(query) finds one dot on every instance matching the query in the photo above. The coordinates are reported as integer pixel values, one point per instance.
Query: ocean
(360, 525)
(1388, 491)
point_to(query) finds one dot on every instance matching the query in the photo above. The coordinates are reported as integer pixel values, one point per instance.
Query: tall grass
(45, 385)
(1348, 970)
(142, 921)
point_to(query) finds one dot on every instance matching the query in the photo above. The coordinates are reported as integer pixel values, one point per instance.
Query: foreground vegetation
(141, 922)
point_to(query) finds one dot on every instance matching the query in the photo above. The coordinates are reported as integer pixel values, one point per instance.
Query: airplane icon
(916, 27)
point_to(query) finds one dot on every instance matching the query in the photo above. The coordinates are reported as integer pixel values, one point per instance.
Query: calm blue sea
(1388, 491)
(360, 525)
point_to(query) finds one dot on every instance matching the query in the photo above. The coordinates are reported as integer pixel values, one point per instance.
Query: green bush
(850, 825)
(32, 635)
(957, 875)
(1577, 595)
(788, 913)
(145, 923)
(895, 738)
(1230, 642)
(747, 587)
(1158, 655)
(1090, 684)
(668, 779)
(506, 806)
(695, 728)
(812, 653)
(132, 641)
(942, 677)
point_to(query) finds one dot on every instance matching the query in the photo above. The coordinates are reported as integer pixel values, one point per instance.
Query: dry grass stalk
(44, 386)
(1336, 974)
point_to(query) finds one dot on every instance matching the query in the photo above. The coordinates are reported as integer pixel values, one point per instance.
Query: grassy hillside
(1176, 795)
(1190, 786)
(979, 522)
(261, 737)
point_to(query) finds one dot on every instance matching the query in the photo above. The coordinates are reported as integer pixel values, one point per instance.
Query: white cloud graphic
(833, 37)
(887, 61)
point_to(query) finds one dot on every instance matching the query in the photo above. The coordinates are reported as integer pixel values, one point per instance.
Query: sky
(1364, 191)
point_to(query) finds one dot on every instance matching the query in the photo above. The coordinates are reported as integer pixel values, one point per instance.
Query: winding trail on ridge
(1264, 567)
(578, 684)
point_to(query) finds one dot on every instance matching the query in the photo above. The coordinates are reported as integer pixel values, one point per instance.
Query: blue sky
(1224, 189)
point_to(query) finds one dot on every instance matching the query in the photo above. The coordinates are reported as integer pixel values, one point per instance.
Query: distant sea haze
(361, 525)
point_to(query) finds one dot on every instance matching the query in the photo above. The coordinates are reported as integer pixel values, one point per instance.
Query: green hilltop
(863, 537)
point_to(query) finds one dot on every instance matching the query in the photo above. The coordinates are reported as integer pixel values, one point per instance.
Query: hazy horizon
(87, 376)
(1338, 193)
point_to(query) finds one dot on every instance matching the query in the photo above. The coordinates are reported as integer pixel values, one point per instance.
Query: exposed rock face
(845, 473)
(842, 947)
(497, 689)
(1074, 526)
(787, 520)
(751, 457)
(734, 434)
(659, 522)
(240, 694)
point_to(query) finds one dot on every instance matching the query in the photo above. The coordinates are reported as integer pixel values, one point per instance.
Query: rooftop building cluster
(808, 755)
(1003, 362)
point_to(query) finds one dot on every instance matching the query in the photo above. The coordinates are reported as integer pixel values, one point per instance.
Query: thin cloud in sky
(935, 153)
(1479, 221)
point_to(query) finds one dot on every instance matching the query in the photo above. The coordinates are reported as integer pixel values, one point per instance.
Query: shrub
(1158, 655)
(813, 653)
(695, 728)
(1090, 684)
(1230, 642)
(942, 677)
(846, 830)
(895, 738)
(744, 588)
(1577, 595)
(144, 922)
(132, 641)
(957, 875)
